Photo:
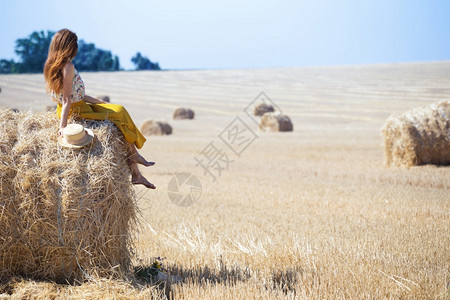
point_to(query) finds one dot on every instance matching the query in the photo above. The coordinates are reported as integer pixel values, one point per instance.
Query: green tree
(7, 66)
(32, 51)
(143, 63)
(90, 58)
(116, 63)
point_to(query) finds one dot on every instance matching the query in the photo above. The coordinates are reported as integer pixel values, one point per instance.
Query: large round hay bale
(65, 213)
(262, 108)
(104, 98)
(419, 136)
(183, 113)
(153, 127)
(275, 122)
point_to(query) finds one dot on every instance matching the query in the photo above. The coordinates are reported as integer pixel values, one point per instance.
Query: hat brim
(89, 137)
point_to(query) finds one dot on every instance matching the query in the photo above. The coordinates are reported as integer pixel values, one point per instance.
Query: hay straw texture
(419, 136)
(65, 214)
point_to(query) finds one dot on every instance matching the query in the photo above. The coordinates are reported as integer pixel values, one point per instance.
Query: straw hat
(75, 136)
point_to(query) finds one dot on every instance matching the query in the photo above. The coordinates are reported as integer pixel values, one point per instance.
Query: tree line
(32, 52)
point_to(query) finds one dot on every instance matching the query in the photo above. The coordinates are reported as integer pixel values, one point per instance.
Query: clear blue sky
(183, 34)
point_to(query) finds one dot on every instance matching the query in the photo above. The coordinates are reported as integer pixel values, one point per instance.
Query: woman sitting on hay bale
(67, 89)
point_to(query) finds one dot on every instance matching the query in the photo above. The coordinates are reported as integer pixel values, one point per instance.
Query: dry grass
(308, 214)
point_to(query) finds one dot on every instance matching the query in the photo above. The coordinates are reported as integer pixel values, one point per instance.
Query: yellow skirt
(113, 112)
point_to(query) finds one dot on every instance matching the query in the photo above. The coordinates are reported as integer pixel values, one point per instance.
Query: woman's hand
(93, 100)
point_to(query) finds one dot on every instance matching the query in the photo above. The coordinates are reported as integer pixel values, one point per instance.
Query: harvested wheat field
(309, 214)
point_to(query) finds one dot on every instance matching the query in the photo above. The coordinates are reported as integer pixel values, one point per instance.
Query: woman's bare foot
(148, 163)
(142, 180)
(139, 159)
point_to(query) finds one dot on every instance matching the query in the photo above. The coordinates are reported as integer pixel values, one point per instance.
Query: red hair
(63, 48)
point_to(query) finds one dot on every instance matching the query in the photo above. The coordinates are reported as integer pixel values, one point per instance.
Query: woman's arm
(68, 73)
(93, 100)
(64, 116)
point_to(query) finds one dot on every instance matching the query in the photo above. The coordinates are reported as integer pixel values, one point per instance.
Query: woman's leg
(138, 178)
(135, 157)
(136, 175)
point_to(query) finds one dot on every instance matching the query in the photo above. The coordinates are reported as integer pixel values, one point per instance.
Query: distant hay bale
(104, 98)
(183, 113)
(65, 214)
(275, 122)
(262, 108)
(419, 136)
(152, 127)
(50, 108)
